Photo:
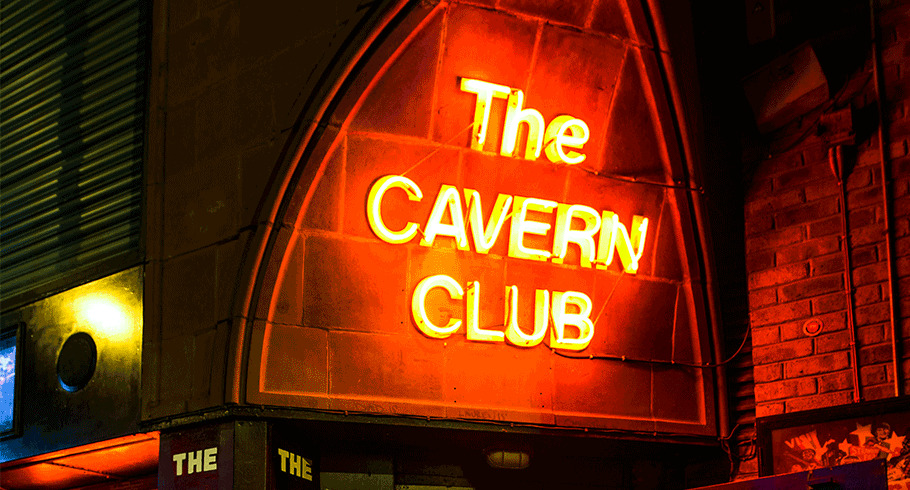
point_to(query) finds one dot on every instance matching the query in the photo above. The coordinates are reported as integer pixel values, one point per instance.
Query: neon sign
(447, 218)
(599, 235)
(612, 236)
(562, 140)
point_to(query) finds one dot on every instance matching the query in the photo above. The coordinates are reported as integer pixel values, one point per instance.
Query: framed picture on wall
(839, 435)
(10, 372)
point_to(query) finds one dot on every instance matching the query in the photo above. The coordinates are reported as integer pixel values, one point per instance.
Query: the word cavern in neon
(562, 141)
(599, 235)
(544, 310)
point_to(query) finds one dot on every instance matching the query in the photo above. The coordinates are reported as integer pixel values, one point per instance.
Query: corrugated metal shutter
(72, 117)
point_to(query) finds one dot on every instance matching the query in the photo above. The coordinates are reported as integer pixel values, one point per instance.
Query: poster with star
(801, 442)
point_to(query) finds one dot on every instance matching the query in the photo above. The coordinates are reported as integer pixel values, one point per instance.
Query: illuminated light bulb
(107, 315)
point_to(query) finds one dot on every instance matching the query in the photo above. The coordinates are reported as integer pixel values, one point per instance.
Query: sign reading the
(562, 140)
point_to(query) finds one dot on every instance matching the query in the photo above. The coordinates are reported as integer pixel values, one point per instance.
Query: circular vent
(76, 362)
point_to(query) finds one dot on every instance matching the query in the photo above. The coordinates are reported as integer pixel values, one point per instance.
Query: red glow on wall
(133, 458)
(596, 239)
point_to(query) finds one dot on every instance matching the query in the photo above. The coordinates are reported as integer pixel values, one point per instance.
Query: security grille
(72, 119)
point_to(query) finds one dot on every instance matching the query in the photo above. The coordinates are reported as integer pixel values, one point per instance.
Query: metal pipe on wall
(836, 159)
(886, 196)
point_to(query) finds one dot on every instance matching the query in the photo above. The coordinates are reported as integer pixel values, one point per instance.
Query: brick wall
(794, 246)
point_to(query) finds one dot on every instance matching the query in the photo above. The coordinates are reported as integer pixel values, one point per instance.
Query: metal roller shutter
(72, 119)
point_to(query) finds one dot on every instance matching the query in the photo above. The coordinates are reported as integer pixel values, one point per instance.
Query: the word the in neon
(599, 235)
(567, 308)
(561, 141)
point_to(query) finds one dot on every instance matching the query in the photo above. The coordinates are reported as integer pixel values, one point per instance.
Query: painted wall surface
(336, 326)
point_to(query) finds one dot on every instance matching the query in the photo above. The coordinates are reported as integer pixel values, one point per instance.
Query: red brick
(832, 342)
(865, 197)
(834, 321)
(782, 351)
(801, 176)
(828, 303)
(866, 235)
(864, 256)
(863, 217)
(765, 335)
(867, 294)
(774, 202)
(762, 297)
(808, 213)
(897, 149)
(821, 191)
(873, 375)
(859, 178)
(871, 334)
(875, 354)
(769, 372)
(791, 330)
(902, 229)
(869, 274)
(842, 380)
(830, 226)
(759, 261)
(875, 313)
(824, 363)
(878, 392)
(810, 287)
(826, 265)
(902, 245)
(807, 250)
(784, 389)
(780, 313)
(775, 240)
(759, 223)
(778, 275)
(819, 401)
(769, 409)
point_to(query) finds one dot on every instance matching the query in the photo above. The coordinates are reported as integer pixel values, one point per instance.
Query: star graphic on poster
(895, 443)
(845, 446)
(863, 432)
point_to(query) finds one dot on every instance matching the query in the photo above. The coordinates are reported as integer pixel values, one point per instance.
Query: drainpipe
(886, 195)
(836, 159)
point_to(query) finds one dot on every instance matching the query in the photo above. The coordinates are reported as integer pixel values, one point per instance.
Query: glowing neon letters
(599, 236)
(599, 240)
(561, 316)
(563, 136)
